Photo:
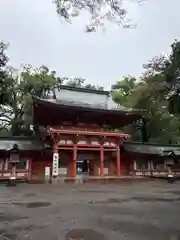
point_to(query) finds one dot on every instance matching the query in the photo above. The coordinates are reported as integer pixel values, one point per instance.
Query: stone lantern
(13, 160)
(173, 158)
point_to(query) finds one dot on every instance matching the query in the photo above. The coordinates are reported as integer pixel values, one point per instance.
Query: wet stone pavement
(133, 210)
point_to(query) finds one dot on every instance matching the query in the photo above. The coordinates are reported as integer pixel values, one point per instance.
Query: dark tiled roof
(24, 144)
(151, 148)
(87, 90)
(86, 106)
(85, 98)
(75, 104)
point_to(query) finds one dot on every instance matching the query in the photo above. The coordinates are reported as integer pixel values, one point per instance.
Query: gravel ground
(127, 210)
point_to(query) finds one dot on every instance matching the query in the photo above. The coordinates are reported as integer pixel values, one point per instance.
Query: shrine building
(82, 139)
(83, 126)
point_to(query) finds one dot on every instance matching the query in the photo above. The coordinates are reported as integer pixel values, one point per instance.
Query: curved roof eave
(91, 107)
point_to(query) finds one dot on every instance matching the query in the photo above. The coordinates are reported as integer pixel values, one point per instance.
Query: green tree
(167, 70)
(94, 87)
(7, 101)
(16, 112)
(4, 80)
(151, 95)
(79, 82)
(75, 82)
(123, 89)
(148, 93)
(11, 110)
(172, 78)
(122, 94)
(162, 77)
(3, 56)
(41, 83)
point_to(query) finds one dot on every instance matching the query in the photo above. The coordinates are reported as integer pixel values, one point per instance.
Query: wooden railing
(20, 174)
(154, 172)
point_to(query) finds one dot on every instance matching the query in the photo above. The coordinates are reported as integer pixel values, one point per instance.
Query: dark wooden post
(118, 161)
(74, 161)
(102, 162)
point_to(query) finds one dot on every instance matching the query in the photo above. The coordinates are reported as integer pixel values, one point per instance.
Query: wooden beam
(83, 145)
(87, 149)
(92, 133)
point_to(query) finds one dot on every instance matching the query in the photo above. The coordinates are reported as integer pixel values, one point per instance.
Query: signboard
(55, 165)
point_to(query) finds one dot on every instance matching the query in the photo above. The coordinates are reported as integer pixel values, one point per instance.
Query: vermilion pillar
(102, 162)
(118, 161)
(74, 161)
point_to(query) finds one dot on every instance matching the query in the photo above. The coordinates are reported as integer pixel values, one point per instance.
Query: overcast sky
(38, 37)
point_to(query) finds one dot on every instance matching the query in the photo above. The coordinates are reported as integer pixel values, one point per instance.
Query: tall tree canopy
(123, 89)
(4, 80)
(158, 92)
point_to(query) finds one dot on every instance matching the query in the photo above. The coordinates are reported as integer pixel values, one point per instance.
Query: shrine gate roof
(79, 102)
(87, 98)
(90, 106)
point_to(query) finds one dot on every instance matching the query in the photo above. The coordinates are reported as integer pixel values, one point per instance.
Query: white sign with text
(55, 165)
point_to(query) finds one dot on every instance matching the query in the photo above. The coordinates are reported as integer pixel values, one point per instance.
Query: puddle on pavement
(154, 199)
(115, 200)
(84, 234)
(33, 204)
(37, 204)
(9, 217)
